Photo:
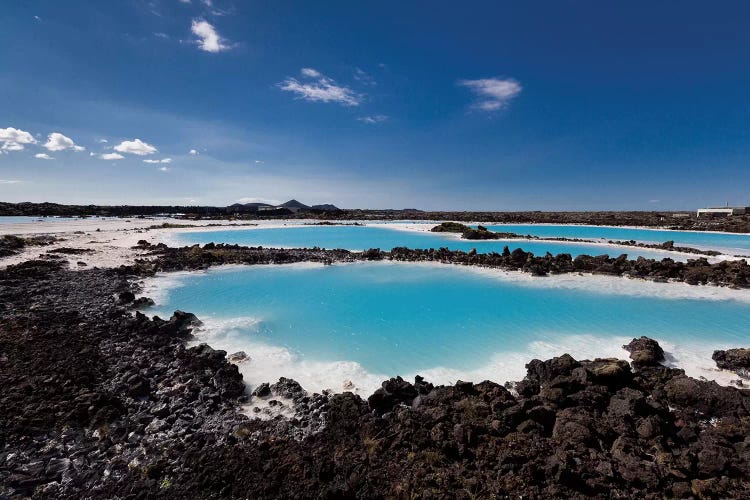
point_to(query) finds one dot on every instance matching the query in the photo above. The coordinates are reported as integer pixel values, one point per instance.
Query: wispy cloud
(363, 77)
(58, 142)
(43, 156)
(13, 139)
(136, 147)
(492, 93)
(9, 181)
(372, 119)
(310, 73)
(209, 39)
(163, 160)
(316, 87)
(194, 152)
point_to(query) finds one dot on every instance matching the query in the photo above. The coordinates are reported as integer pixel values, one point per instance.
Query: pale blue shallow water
(383, 237)
(696, 239)
(404, 319)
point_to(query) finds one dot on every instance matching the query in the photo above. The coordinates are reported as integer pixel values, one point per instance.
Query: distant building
(723, 211)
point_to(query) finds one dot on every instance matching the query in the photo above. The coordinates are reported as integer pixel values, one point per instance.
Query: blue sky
(434, 105)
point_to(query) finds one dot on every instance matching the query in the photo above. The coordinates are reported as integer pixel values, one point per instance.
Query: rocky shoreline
(482, 233)
(699, 271)
(100, 402)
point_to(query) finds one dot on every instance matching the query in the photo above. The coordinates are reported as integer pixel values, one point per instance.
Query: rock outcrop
(736, 360)
(645, 352)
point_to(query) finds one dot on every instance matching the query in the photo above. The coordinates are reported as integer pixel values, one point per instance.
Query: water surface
(733, 242)
(386, 238)
(362, 322)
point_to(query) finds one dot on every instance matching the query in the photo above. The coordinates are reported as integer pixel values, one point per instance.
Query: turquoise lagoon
(386, 237)
(353, 325)
(726, 242)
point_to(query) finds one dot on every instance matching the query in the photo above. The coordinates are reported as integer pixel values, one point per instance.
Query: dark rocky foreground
(101, 402)
(695, 271)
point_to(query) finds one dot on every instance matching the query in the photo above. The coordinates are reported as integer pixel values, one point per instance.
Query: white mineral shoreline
(112, 239)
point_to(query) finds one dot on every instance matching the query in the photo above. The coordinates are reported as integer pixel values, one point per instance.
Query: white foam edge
(268, 363)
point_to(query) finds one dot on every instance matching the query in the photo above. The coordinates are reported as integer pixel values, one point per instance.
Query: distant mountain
(293, 204)
(327, 207)
(249, 205)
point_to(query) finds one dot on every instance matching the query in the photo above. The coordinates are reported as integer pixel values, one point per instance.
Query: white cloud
(373, 119)
(9, 181)
(208, 38)
(164, 169)
(253, 199)
(194, 152)
(163, 160)
(12, 146)
(43, 156)
(58, 142)
(136, 147)
(111, 156)
(310, 73)
(322, 89)
(91, 153)
(103, 141)
(493, 93)
(13, 139)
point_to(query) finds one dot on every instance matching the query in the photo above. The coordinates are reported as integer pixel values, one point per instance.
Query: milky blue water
(706, 240)
(383, 237)
(443, 321)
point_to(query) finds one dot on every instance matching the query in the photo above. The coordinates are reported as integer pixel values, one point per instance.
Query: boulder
(736, 360)
(610, 372)
(238, 357)
(143, 302)
(262, 390)
(545, 371)
(392, 392)
(288, 388)
(644, 352)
